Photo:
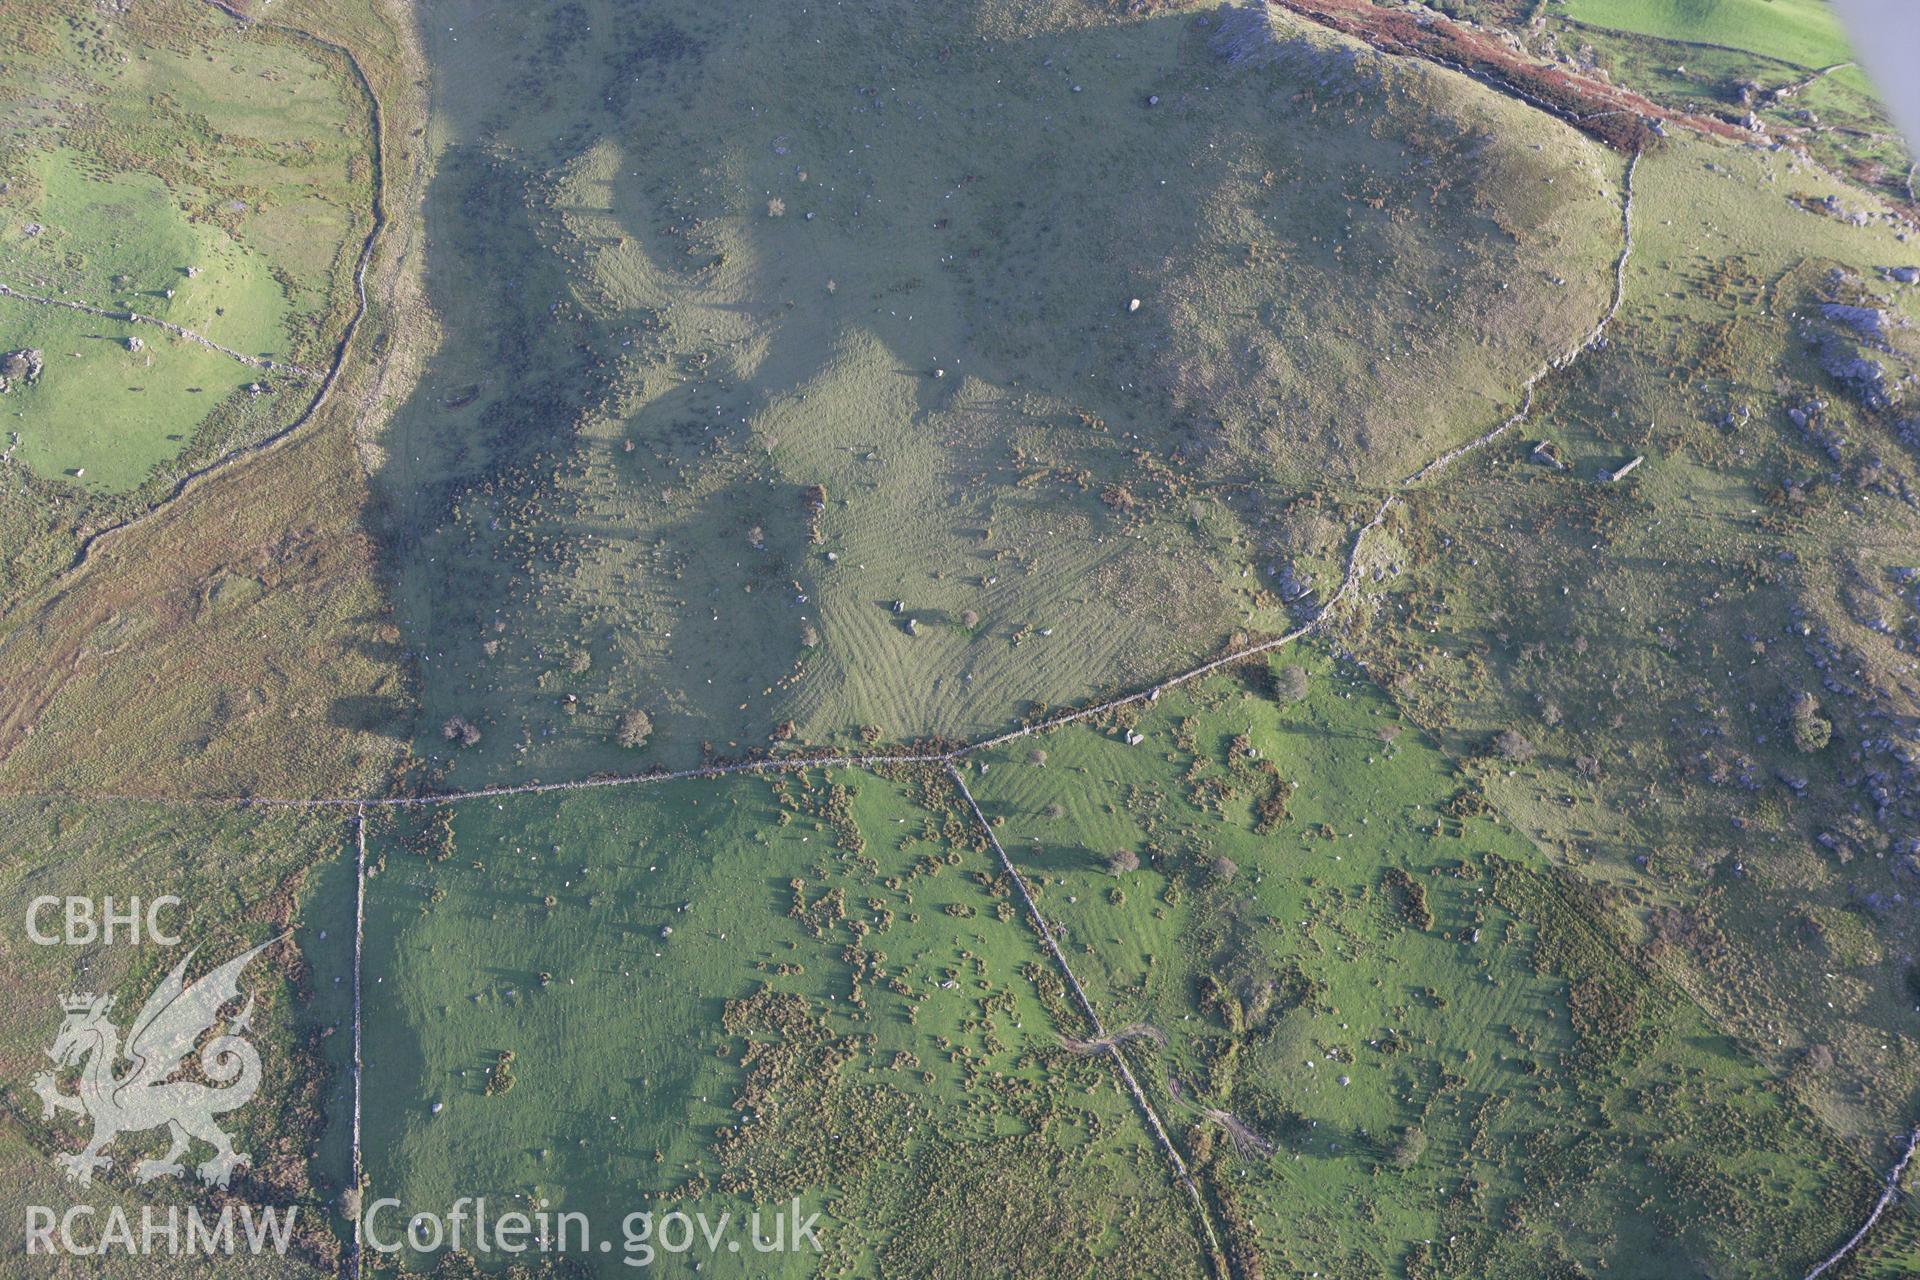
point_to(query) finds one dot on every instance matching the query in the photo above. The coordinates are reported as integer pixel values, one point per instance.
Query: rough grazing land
(1101, 639)
(184, 206)
(843, 421)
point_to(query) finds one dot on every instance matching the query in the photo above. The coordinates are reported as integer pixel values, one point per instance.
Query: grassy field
(163, 162)
(1649, 639)
(782, 380)
(236, 640)
(1834, 116)
(669, 997)
(229, 644)
(81, 415)
(1353, 955)
(839, 421)
(1804, 32)
(723, 995)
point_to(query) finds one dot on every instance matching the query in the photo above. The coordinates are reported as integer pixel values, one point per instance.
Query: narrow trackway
(134, 317)
(1879, 1207)
(1112, 1047)
(192, 479)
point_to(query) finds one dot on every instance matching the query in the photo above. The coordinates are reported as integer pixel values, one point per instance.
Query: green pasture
(1390, 956)
(1804, 32)
(723, 995)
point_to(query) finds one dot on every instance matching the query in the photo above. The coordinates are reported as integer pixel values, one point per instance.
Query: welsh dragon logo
(175, 1018)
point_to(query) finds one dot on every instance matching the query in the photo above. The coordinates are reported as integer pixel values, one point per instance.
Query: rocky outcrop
(20, 368)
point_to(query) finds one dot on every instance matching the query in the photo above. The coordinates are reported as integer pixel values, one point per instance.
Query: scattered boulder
(1847, 345)
(22, 367)
(1870, 323)
(1859, 374)
(1293, 585)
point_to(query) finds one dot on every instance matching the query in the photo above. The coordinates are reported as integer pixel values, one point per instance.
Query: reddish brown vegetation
(1617, 117)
